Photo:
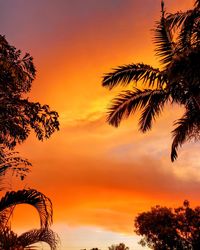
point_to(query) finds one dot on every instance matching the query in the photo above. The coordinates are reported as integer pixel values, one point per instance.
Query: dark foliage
(120, 246)
(177, 41)
(10, 160)
(11, 241)
(18, 115)
(31, 197)
(164, 228)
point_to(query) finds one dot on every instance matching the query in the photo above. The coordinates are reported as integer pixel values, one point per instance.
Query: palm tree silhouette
(26, 196)
(177, 40)
(8, 239)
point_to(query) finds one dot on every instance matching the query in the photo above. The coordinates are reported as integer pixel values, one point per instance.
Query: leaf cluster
(18, 115)
(165, 228)
(120, 246)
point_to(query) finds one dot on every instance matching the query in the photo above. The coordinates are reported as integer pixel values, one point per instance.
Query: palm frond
(175, 20)
(125, 103)
(163, 42)
(123, 75)
(188, 30)
(8, 239)
(197, 3)
(128, 102)
(152, 110)
(39, 235)
(31, 197)
(184, 130)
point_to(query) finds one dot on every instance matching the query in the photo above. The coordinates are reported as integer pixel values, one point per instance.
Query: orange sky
(98, 177)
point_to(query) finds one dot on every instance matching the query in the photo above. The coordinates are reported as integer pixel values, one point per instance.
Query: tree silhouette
(18, 116)
(164, 228)
(177, 41)
(120, 246)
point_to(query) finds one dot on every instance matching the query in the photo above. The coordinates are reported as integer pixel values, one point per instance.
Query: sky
(98, 177)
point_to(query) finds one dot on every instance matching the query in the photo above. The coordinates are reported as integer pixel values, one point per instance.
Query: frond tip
(184, 131)
(164, 42)
(162, 7)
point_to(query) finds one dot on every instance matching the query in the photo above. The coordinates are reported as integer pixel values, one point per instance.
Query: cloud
(96, 174)
(109, 193)
(102, 176)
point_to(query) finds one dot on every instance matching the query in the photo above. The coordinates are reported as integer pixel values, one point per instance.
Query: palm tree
(26, 196)
(177, 41)
(8, 239)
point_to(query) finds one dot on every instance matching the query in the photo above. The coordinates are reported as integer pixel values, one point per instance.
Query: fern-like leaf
(128, 102)
(184, 131)
(126, 74)
(187, 34)
(163, 42)
(152, 110)
(31, 197)
(197, 3)
(39, 235)
(175, 20)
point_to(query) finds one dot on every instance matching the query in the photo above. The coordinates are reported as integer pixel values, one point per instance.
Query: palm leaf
(184, 131)
(128, 102)
(163, 41)
(8, 239)
(31, 197)
(197, 3)
(155, 105)
(175, 20)
(39, 235)
(123, 75)
(187, 34)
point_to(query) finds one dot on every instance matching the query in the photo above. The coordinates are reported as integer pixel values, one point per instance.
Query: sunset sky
(98, 177)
